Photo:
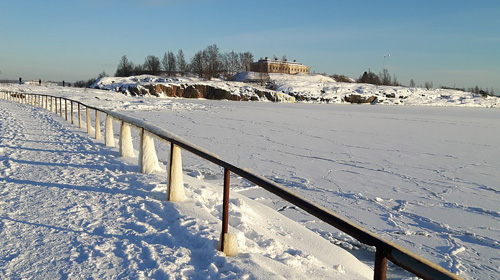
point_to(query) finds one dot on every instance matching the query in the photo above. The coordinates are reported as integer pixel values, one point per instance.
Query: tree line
(207, 63)
(383, 78)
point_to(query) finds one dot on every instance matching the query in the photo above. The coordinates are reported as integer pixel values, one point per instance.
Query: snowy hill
(325, 89)
(302, 87)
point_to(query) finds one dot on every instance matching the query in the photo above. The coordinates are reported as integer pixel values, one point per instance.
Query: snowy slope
(321, 88)
(71, 209)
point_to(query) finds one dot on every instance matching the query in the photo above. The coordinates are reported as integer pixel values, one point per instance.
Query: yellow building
(279, 66)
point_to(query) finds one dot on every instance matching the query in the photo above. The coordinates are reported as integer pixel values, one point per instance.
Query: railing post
(175, 176)
(225, 206)
(148, 161)
(72, 113)
(66, 109)
(110, 138)
(228, 242)
(79, 116)
(380, 270)
(126, 147)
(89, 125)
(60, 107)
(46, 102)
(97, 126)
(55, 103)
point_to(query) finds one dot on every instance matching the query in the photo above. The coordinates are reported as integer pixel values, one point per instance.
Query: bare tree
(172, 63)
(181, 62)
(231, 63)
(152, 64)
(164, 62)
(102, 75)
(246, 59)
(412, 83)
(385, 78)
(125, 67)
(169, 63)
(211, 56)
(197, 63)
(395, 80)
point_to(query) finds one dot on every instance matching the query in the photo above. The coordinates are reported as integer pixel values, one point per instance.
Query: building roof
(273, 61)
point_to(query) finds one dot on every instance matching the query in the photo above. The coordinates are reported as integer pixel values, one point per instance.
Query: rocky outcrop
(356, 98)
(196, 91)
(202, 91)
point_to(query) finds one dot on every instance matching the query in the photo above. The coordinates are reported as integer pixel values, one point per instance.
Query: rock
(356, 98)
(192, 91)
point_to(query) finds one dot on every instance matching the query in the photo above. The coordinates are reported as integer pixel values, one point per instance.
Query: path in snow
(71, 209)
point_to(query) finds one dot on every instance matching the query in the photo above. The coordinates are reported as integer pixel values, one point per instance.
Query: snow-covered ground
(71, 209)
(423, 177)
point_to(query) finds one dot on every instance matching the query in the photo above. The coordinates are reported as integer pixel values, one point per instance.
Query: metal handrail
(385, 250)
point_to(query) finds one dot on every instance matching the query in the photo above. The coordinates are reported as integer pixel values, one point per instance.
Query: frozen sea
(426, 178)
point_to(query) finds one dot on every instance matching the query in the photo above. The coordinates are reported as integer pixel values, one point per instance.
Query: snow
(314, 88)
(423, 176)
(71, 208)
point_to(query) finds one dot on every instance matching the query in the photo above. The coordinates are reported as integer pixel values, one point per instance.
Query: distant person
(40, 82)
(20, 80)
(63, 83)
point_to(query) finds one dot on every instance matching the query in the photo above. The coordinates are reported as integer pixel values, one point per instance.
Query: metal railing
(385, 250)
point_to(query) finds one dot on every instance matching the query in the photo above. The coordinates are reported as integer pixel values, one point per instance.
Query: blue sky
(453, 43)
